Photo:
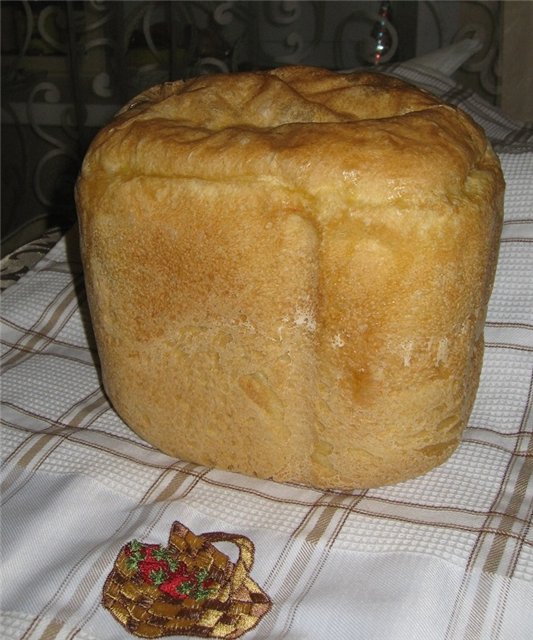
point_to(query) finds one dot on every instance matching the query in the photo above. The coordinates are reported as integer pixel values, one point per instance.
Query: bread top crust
(303, 128)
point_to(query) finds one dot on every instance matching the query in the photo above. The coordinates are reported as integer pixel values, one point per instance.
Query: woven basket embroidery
(188, 588)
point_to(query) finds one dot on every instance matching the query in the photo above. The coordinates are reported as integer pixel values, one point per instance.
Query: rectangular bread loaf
(288, 272)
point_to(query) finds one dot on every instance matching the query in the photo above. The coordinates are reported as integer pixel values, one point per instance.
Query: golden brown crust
(288, 272)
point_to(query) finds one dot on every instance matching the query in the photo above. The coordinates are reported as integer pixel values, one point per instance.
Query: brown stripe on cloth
(81, 415)
(505, 547)
(86, 411)
(52, 630)
(177, 473)
(49, 324)
(298, 533)
(17, 418)
(508, 345)
(25, 455)
(35, 445)
(497, 548)
(328, 513)
(520, 137)
(74, 352)
(509, 325)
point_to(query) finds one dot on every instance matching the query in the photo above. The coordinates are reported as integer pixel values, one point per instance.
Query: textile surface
(448, 555)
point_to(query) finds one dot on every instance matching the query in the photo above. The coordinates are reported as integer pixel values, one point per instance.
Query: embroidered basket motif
(188, 588)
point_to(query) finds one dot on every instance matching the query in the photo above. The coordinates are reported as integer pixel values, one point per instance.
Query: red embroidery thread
(158, 567)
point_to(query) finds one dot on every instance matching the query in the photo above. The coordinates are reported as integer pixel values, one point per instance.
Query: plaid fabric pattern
(446, 556)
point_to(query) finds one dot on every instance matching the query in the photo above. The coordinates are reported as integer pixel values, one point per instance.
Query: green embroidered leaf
(186, 587)
(202, 594)
(134, 552)
(158, 577)
(172, 564)
(135, 545)
(160, 553)
(201, 575)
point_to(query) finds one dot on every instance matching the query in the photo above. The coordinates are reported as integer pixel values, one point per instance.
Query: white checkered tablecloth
(446, 556)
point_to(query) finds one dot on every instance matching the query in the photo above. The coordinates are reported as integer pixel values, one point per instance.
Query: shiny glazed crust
(288, 272)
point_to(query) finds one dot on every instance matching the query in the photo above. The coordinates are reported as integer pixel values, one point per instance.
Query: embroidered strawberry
(153, 571)
(178, 586)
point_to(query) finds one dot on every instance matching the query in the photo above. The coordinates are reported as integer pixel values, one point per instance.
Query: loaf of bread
(288, 272)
